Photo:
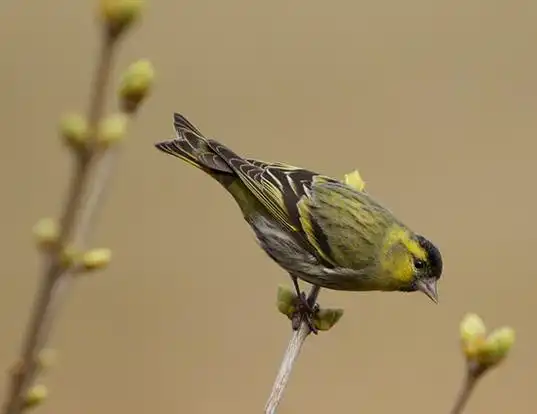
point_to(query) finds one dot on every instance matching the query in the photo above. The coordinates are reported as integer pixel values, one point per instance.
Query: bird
(319, 229)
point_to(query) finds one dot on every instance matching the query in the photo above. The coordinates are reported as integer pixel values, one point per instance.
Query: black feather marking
(181, 123)
(169, 147)
(251, 175)
(286, 182)
(322, 241)
(294, 184)
(191, 146)
(434, 257)
(233, 160)
(198, 143)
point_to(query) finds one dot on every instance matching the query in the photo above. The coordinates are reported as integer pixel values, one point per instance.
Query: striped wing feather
(278, 186)
(284, 190)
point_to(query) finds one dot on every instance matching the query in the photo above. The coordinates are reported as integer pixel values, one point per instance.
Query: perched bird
(317, 228)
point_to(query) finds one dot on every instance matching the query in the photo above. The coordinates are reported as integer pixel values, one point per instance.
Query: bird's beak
(430, 288)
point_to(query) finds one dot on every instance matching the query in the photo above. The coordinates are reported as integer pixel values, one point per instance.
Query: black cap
(434, 258)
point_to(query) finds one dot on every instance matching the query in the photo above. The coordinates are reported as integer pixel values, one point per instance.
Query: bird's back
(296, 198)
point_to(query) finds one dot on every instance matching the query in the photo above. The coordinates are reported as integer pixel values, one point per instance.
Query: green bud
(136, 84)
(96, 259)
(473, 335)
(354, 180)
(496, 347)
(118, 15)
(35, 396)
(112, 129)
(74, 130)
(472, 327)
(46, 233)
(286, 301)
(325, 319)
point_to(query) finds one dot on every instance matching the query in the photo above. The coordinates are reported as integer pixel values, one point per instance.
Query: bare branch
(291, 354)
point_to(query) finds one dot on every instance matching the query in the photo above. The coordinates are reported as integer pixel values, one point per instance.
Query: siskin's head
(428, 270)
(413, 262)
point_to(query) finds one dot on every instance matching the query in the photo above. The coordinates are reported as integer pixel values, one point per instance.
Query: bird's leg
(305, 309)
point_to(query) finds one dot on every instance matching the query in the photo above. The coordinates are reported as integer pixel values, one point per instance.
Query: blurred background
(433, 101)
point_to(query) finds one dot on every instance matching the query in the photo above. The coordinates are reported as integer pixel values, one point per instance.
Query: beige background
(434, 101)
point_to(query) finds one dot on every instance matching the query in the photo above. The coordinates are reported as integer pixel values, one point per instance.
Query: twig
(291, 354)
(75, 223)
(473, 374)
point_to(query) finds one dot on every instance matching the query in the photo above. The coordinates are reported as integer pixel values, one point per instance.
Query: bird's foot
(305, 312)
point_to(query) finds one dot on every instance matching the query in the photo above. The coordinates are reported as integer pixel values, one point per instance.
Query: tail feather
(181, 123)
(191, 146)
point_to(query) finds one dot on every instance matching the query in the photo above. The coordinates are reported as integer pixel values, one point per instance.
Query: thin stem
(470, 381)
(291, 354)
(56, 278)
(100, 82)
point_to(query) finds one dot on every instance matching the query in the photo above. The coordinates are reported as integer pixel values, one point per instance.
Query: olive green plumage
(319, 229)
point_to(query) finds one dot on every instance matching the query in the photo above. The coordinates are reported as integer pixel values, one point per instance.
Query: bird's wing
(312, 202)
(345, 221)
(280, 188)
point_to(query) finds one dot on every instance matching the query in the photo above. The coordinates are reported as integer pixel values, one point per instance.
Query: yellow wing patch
(307, 227)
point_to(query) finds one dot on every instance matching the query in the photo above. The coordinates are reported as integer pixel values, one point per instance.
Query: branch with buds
(94, 143)
(482, 352)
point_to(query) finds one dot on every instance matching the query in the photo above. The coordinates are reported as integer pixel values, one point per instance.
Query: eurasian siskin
(317, 228)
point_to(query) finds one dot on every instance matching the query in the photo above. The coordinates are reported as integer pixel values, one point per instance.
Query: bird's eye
(419, 264)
